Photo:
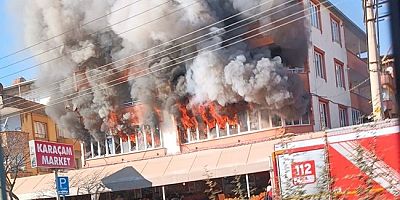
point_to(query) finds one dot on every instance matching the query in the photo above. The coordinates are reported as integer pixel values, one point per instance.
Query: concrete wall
(327, 89)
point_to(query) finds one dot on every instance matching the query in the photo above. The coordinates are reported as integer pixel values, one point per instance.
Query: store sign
(303, 172)
(51, 155)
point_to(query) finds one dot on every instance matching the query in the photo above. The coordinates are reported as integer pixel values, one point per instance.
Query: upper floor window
(40, 129)
(304, 120)
(335, 28)
(315, 15)
(339, 73)
(324, 115)
(61, 133)
(343, 116)
(319, 63)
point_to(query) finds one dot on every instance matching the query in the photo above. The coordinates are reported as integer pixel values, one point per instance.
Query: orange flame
(210, 115)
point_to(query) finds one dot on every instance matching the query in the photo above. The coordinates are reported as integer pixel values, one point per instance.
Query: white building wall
(320, 88)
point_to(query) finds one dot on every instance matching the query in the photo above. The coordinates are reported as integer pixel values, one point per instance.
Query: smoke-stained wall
(163, 72)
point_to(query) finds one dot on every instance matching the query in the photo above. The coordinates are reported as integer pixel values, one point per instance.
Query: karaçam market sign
(51, 155)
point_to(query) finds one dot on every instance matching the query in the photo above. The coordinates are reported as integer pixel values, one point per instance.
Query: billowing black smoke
(219, 67)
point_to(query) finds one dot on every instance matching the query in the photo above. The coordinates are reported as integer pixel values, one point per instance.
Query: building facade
(28, 118)
(166, 159)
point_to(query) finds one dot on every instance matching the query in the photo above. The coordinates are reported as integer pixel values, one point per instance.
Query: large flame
(209, 115)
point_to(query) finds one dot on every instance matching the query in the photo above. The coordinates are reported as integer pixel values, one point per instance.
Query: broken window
(110, 145)
(254, 120)
(95, 149)
(276, 121)
(117, 144)
(265, 119)
(157, 137)
(222, 130)
(243, 121)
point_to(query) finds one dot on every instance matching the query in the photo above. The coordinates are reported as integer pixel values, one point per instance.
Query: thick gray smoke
(175, 70)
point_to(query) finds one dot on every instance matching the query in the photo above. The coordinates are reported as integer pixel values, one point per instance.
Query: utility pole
(373, 60)
(3, 174)
(3, 192)
(55, 180)
(395, 26)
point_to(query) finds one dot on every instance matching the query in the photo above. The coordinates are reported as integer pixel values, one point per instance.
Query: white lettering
(49, 149)
(45, 160)
(39, 148)
(51, 161)
(54, 149)
(56, 161)
(69, 151)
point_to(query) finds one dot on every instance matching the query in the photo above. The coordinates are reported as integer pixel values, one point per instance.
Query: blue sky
(11, 38)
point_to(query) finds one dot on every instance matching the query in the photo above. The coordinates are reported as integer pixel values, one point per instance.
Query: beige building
(27, 118)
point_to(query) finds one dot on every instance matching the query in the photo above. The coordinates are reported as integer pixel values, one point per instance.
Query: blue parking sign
(62, 185)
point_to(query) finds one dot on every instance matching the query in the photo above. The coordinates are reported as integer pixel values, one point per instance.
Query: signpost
(53, 156)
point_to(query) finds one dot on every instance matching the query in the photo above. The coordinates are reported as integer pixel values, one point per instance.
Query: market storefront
(182, 175)
(225, 188)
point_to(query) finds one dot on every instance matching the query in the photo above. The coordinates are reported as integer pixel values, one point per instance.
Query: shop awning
(212, 163)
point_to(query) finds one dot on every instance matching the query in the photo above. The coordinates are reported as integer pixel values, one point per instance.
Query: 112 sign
(303, 172)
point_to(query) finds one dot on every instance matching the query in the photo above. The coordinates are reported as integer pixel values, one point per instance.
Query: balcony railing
(296, 70)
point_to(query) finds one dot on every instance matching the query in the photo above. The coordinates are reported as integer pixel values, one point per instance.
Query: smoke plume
(174, 71)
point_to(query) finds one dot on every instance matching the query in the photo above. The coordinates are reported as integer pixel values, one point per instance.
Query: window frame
(323, 65)
(338, 22)
(317, 4)
(46, 128)
(300, 119)
(327, 113)
(342, 108)
(341, 66)
(356, 113)
(60, 130)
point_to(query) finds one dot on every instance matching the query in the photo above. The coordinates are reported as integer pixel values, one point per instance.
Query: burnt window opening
(144, 137)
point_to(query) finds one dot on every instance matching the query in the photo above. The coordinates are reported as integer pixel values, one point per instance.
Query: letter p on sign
(62, 185)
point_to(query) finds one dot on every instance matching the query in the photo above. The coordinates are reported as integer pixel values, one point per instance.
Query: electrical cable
(66, 79)
(146, 74)
(197, 51)
(68, 31)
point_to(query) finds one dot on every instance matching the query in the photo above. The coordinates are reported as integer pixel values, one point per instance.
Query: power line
(70, 30)
(102, 29)
(146, 74)
(166, 50)
(77, 50)
(214, 45)
(191, 45)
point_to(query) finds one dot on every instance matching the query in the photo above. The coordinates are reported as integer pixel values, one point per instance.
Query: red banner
(51, 155)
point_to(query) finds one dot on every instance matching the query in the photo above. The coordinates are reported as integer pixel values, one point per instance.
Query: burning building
(181, 85)
(206, 73)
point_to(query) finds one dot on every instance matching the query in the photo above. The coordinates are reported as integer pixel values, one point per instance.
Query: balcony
(361, 103)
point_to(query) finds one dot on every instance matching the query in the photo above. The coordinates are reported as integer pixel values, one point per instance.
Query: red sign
(51, 155)
(303, 172)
